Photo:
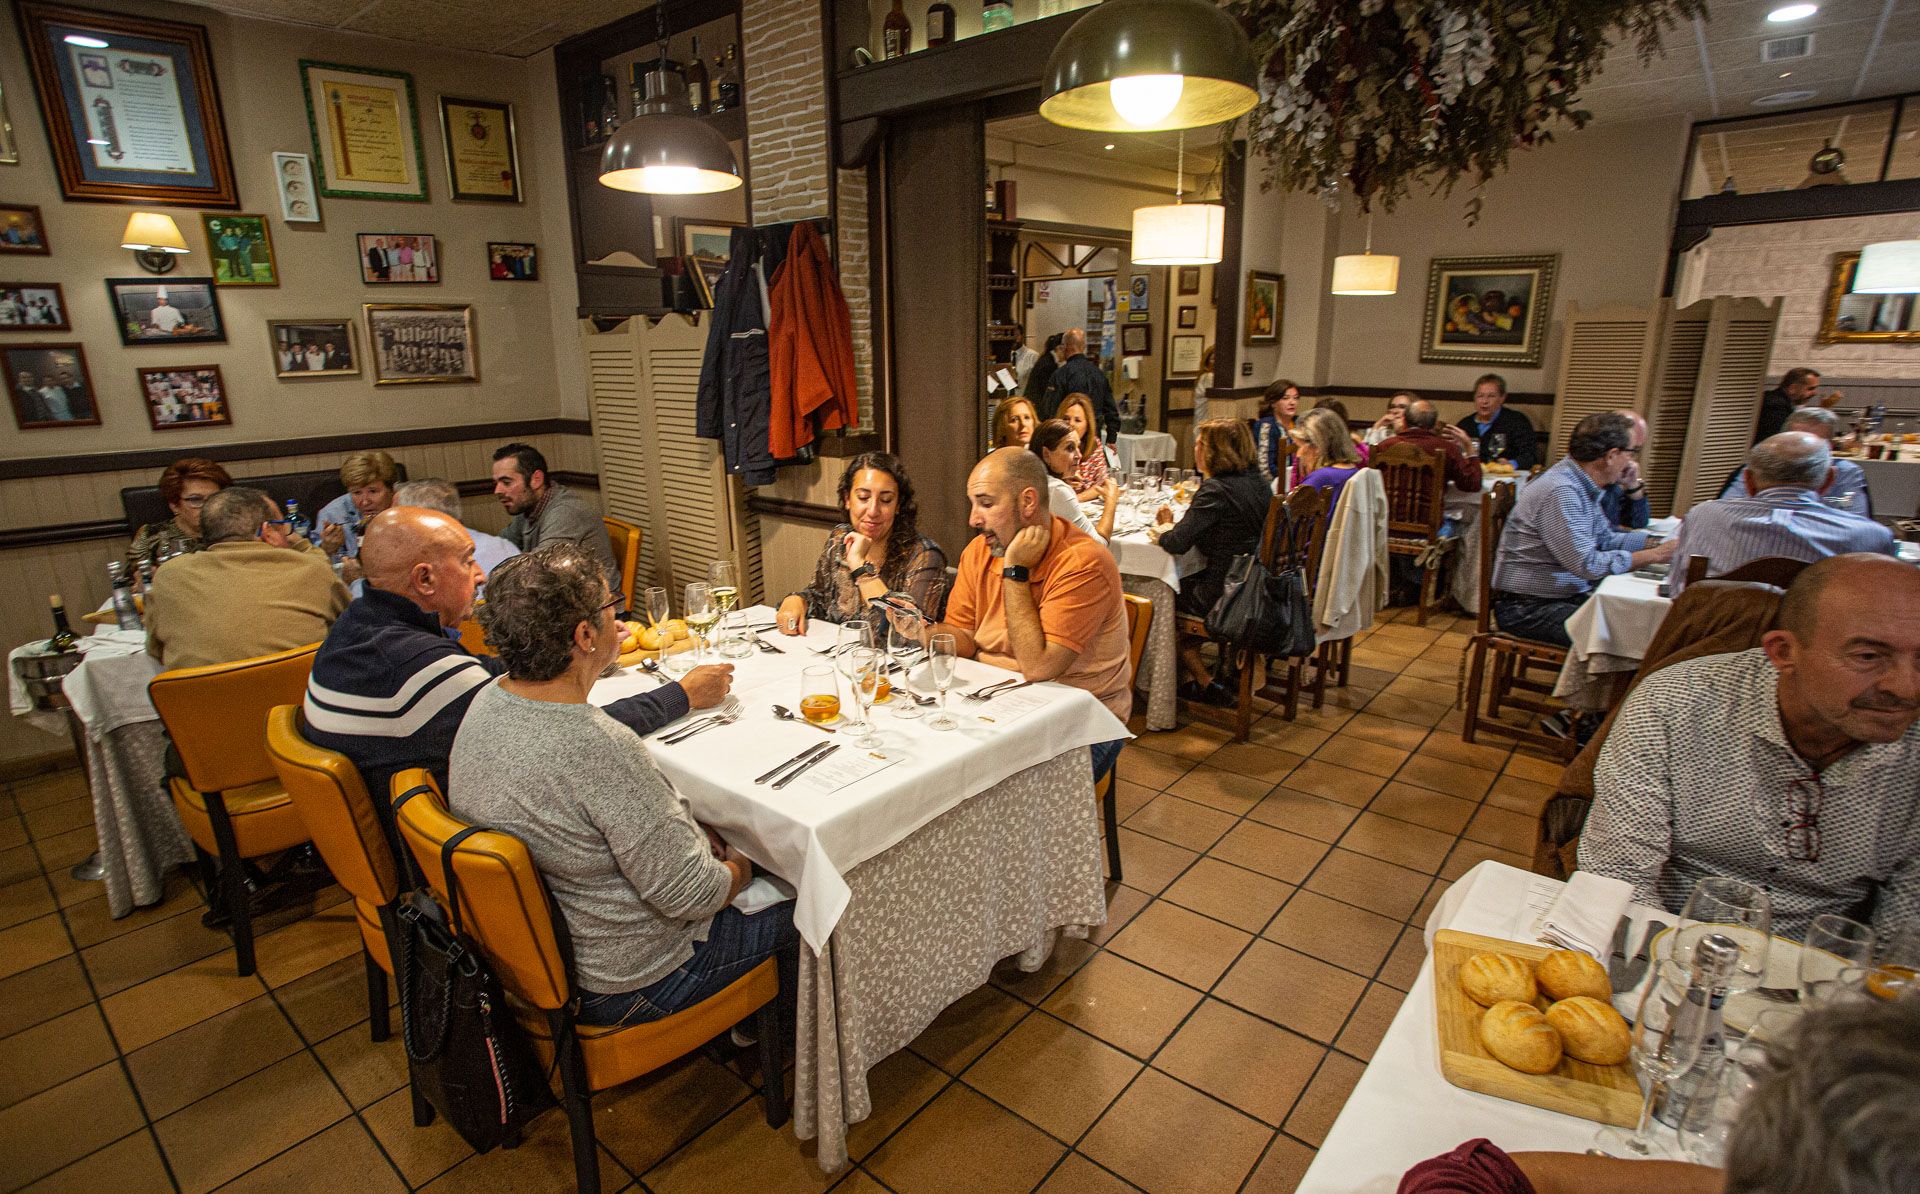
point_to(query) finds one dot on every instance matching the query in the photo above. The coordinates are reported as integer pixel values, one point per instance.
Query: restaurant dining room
(1191, 596)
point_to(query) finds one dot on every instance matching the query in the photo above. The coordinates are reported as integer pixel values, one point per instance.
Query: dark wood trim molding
(159, 458)
(1514, 397)
(827, 516)
(976, 68)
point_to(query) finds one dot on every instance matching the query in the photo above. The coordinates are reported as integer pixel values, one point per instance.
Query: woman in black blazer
(1226, 517)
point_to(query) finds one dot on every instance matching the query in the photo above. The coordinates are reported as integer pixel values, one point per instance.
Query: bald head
(1793, 458)
(1005, 492)
(1422, 413)
(1074, 342)
(1639, 424)
(424, 556)
(1847, 650)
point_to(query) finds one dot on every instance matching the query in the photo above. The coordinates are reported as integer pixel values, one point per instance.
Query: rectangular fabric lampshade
(149, 230)
(1889, 267)
(1366, 273)
(1179, 234)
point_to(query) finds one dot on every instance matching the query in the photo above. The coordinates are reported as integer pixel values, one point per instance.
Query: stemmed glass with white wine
(653, 604)
(701, 614)
(941, 654)
(868, 671)
(724, 584)
(851, 638)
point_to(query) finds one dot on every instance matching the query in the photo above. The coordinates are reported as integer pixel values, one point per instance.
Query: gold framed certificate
(366, 132)
(483, 159)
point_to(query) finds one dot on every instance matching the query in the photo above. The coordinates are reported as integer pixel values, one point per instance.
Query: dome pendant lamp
(1368, 272)
(665, 149)
(1179, 233)
(1137, 66)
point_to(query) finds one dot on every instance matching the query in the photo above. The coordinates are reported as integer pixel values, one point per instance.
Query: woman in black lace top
(879, 549)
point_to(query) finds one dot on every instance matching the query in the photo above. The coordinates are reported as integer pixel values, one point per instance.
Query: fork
(719, 719)
(991, 690)
(1001, 691)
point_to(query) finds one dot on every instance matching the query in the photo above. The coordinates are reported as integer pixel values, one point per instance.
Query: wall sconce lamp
(155, 240)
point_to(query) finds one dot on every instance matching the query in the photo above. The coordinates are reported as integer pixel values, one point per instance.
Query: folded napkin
(1584, 916)
(762, 893)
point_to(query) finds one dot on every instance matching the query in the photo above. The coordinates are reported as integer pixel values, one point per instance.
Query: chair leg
(422, 1110)
(1346, 661)
(377, 1019)
(233, 886)
(1475, 671)
(773, 1075)
(1110, 813)
(1293, 688)
(578, 1100)
(1243, 708)
(1426, 595)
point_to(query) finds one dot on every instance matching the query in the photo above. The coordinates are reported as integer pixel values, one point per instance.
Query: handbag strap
(452, 877)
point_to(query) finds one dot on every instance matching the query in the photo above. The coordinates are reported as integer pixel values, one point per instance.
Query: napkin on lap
(1586, 913)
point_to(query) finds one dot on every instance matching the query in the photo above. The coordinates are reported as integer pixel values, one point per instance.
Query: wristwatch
(1015, 572)
(864, 571)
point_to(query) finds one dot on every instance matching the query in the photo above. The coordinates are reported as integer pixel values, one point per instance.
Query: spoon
(652, 668)
(786, 714)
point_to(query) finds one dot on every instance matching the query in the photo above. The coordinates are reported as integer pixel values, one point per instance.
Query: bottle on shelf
(609, 106)
(697, 80)
(125, 612)
(1691, 1094)
(996, 14)
(939, 23)
(896, 35)
(728, 84)
(63, 636)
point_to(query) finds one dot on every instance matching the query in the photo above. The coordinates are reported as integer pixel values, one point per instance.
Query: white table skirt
(1403, 1110)
(1611, 633)
(1134, 450)
(1463, 510)
(1895, 485)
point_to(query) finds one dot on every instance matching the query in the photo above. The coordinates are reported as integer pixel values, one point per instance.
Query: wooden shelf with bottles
(1003, 289)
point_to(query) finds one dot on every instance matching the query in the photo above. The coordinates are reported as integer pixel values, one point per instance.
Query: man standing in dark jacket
(1080, 374)
(1043, 370)
(1502, 434)
(1796, 389)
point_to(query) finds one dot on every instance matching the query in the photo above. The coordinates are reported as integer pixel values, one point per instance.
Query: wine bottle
(63, 636)
(897, 33)
(996, 14)
(728, 84)
(939, 23)
(125, 612)
(609, 106)
(697, 80)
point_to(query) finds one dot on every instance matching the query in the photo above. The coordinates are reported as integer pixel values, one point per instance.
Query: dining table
(1147, 571)
(1894, 481)
(1611, 632)
(1137, 448)
(917, 864)
(1463, 511)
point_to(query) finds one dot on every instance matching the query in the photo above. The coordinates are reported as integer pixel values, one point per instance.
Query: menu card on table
(844, 767)
(1010, 707)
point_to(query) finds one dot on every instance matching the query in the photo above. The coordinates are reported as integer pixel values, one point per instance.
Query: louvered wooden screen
(1604, 366)
(1676, 372)
(1726, 399)
(622, 436)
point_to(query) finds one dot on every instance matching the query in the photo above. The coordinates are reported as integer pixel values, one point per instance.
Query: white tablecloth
(1403, 1110)
(1463, 510)
(812, 840)
(1611, 633)
(1148, 445)
(1895, 485)
(1146, 571)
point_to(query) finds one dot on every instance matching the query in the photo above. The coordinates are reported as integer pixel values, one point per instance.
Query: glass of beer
(820, 694)
(1898, 973)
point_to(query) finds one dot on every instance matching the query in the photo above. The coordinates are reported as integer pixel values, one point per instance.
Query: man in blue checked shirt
(1785, 516)
(1848, 492)
(1559, 543)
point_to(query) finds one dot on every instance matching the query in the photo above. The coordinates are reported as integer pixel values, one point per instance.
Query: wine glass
(653, 603)
(701, 615)
(1665, 1045)
(901, 647)
(724, 583)
(1898, 971)
(941, 653)
(869, 672)
(1740, 911)
(1496, 446)
(850, 639)
(820, 694)
(1834, 944)
(1709, 1123)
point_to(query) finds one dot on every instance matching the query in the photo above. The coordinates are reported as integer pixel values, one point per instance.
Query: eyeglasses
(1805, 798)
(196, 500)
(278, 522)
(612, 603)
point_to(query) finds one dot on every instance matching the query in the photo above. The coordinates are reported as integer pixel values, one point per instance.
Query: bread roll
(1489, 978)
(1519, 1037)
(1590, 1030)
(1565, 973)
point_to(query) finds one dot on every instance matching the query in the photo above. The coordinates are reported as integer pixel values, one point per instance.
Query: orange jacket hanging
(810, 347)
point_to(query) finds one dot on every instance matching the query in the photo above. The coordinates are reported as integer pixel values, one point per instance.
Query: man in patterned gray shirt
(1794, 766)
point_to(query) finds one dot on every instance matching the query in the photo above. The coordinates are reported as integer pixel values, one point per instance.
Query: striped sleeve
(445, 683)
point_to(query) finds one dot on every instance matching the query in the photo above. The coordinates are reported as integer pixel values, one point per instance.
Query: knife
(1617, 956)
(790, 776)
(790, 762)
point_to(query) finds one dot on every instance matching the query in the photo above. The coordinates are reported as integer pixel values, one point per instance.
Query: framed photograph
(710, 245)
(1188, 281)
(293, 178)
(175, 311)
(483, 159)
(1184, 354)
(1488, 310)
(9, 148)
(21, 232)
(130, 107)
(50, 386)
(1136, 339)
(242, 250)
(33, 307)
(1189, 317)
(398, 257)
(184, 396)
(511, 262)
(366, 132)
(1266, 302)
(313, 348)
(1864, 318)
(421, 342)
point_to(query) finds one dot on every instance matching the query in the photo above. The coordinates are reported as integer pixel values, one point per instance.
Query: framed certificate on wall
(483, 161)
(130, 106)
(366, 132)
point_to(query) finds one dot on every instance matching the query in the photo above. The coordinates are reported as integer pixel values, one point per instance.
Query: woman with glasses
(184, 487)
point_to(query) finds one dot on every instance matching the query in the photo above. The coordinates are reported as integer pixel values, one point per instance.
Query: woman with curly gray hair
(646, 890)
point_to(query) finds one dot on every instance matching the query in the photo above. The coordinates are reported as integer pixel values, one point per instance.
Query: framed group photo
(21, 232)
(242, 250)
(185, 396)
(1488, 310)
(130, 107)
(1266, 302)
(483, 161)
(313, 348)
(176, 311)
(366, 132)
(422, 342)
(33, 307)
(508, 261)
(49, 386)
(388, 257)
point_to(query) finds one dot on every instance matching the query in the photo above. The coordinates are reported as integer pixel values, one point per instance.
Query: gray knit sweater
(622, 856)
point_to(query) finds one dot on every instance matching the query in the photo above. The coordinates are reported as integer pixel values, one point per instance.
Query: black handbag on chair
(1264, 612)
(465, 1053)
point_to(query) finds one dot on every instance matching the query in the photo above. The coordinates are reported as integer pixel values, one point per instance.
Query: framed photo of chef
(176, 311)
(391, 257)
(366, 132)
(422, 342)
(49, 386)
(185, 396)
(483, 162)
(130, 107)
(313, 348)
(33, 307)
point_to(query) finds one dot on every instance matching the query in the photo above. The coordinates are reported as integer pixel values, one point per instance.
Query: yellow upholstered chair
(504, 905)
(625, 538)
(223, 784)
(473, 638)
(347, 829)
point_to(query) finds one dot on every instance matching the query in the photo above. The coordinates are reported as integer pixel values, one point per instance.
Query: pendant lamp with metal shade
(1366, 273)
(1150, 66)
(665, 149)
(1888, 267)
(1179, 233)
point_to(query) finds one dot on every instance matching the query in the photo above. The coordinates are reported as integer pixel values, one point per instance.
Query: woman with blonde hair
(1228, 511)
(1077, 411)
(369, 478)
(1013, 423)
(1324, 453)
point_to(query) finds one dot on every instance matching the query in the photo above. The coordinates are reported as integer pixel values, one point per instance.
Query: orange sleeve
(963, 602)
(1078, 596)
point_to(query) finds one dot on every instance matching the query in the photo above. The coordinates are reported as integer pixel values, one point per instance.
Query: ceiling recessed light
(1785, 97)
(1792, 12)
(85, 43)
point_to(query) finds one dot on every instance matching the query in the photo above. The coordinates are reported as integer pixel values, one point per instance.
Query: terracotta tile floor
(1266, 932)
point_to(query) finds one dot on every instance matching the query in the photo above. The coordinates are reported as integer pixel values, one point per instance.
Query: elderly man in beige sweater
(251, 592)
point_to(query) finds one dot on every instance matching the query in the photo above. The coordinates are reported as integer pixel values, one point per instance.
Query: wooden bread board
(1608, 1094)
